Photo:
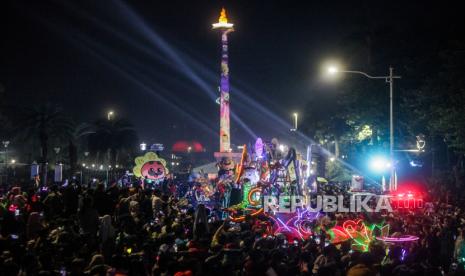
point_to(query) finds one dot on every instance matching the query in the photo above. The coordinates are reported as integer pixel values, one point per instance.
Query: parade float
(150, 168)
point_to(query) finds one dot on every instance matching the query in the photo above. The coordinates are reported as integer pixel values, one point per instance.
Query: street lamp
(296, 116)
(57, 151)
(332, 70)
(143, 146)
(379, 164)
(5, 145)
(13, 163)
(110, 115)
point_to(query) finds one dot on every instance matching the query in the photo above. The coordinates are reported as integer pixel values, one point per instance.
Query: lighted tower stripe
(225, 135)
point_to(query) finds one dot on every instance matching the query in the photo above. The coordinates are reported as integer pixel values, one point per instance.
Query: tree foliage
(111, 140)
(429, 99)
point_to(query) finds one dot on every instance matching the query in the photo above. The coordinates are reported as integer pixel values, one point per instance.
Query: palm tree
(111, 137)
(44, 123)
(76, 141)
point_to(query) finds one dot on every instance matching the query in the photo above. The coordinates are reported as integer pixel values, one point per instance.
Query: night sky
(156, 63)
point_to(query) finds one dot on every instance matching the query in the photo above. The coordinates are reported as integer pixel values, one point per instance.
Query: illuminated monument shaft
(225, 135)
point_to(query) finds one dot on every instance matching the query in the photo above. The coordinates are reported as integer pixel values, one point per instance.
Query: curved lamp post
(389, 79)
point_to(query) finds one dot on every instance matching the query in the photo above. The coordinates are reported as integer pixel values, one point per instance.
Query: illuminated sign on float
(406, 201)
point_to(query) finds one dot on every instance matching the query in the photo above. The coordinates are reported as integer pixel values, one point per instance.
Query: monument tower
(225, 135)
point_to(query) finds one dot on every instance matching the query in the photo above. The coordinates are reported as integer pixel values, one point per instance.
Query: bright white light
(332, 159)
(143, 146)
(380, 164)
(282, 147)
(332, 70)
(110, 115)
(220, 25)
(414, 163)
(83, 164)
(13, 161)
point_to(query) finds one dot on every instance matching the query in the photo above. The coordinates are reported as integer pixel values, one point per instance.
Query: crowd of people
(82, 230)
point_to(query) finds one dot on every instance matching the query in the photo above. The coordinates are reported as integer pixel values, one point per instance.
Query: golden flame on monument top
(223, 21)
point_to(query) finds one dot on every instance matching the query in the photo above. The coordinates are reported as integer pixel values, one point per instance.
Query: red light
(12, 208)
(187, 146)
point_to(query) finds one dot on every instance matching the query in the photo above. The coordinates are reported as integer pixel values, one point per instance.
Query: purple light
(403, 254)
(407, 238)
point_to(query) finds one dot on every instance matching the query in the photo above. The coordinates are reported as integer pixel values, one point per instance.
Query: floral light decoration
(356, 230)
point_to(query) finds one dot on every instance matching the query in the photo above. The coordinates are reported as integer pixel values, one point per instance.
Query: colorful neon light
(362, 234)
(407, 200)
(242, 218)
(246, 187)
(359, 232)
(297, 224)
(338, 235)
(406, 238)
(240, 167)
(251, 194)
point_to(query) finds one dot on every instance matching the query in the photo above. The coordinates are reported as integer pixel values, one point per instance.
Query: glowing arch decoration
(405, 238)
(150, 166)
(254, 196)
